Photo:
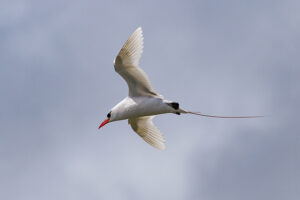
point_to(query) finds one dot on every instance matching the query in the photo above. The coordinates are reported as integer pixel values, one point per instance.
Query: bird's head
(109, 118)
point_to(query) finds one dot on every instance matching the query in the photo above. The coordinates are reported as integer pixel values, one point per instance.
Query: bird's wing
(126, 64)
(145, 128)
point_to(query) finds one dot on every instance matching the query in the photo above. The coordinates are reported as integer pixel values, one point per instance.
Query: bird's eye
(108, 115)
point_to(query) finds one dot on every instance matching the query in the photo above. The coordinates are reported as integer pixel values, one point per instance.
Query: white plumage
(142, 100)
(142, 103)
(126, 64)
(145, 128)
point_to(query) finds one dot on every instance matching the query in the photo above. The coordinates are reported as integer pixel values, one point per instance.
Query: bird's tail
(216, 116)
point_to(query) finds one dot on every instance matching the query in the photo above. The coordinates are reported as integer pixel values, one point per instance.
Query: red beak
(104, 122)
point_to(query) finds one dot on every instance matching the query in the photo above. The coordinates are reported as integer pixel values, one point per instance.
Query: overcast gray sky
(57, 84)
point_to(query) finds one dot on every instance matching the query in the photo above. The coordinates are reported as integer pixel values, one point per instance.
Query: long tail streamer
(217, 116)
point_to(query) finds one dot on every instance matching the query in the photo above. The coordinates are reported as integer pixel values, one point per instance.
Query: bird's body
(132, 107)
(143, 102)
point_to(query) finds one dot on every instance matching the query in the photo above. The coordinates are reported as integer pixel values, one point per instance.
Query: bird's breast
(142, 106)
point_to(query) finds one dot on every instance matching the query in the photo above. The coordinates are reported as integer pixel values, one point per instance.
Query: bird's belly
(146, 107)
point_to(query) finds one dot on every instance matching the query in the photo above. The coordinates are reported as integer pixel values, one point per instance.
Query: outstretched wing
(145, 128)
(126, 64)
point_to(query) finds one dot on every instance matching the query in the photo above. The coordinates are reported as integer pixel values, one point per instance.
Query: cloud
(57, 83)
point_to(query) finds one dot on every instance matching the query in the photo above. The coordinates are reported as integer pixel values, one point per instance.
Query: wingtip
(161, 148)
(140, 30)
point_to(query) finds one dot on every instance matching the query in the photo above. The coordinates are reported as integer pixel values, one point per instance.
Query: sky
(57, 83)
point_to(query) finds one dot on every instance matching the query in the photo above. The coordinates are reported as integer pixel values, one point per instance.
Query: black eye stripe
(108, 115)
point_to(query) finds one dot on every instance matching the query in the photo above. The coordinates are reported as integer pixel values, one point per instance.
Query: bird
(143, 103)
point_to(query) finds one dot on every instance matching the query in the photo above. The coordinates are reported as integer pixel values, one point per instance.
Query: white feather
(145, 128)
(126, 64)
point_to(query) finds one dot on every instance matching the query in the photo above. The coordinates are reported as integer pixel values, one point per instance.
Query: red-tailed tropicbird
(143, 103)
